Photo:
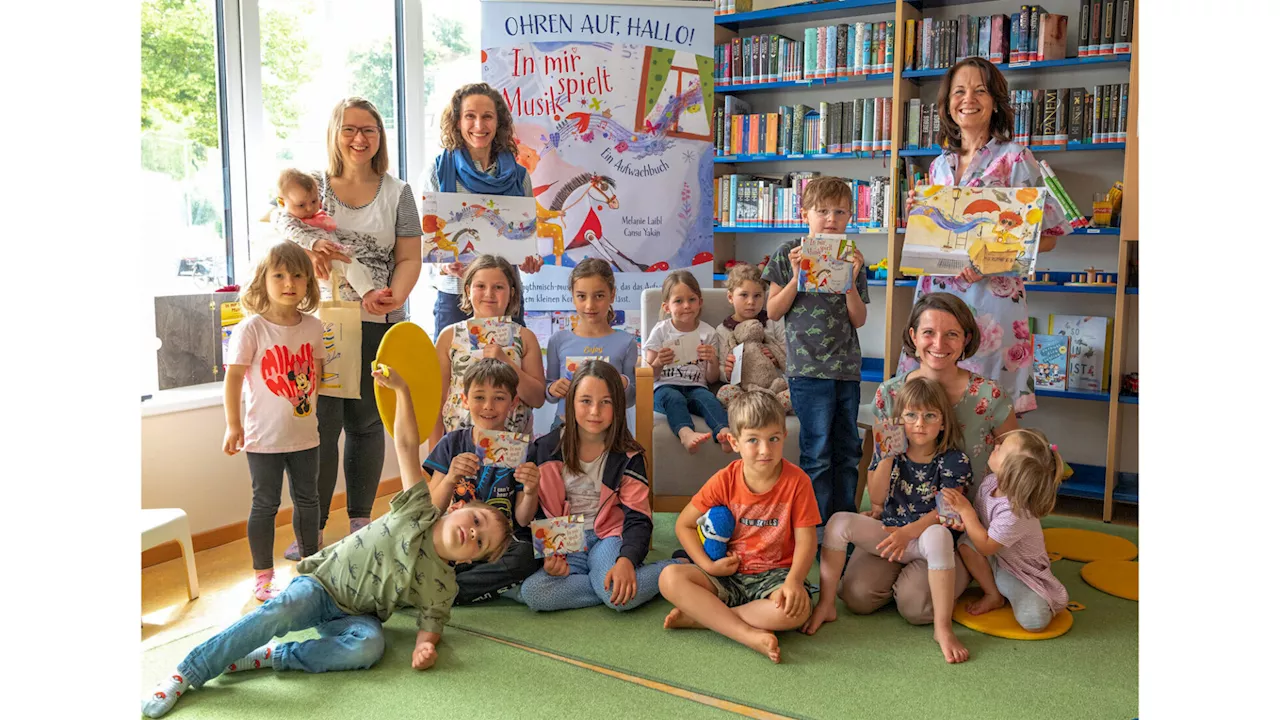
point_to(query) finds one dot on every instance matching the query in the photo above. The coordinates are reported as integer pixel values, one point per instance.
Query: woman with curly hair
(978, 151)
(478, 137)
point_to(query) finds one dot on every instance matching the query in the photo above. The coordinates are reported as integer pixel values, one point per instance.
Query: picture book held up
(501, 448)
(825, 264)
(558, 535)
(459, 227)
(996, 231)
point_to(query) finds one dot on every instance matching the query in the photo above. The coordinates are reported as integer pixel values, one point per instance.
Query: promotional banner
(612, 106)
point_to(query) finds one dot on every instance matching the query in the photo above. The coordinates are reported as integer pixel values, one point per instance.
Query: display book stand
(905, 87)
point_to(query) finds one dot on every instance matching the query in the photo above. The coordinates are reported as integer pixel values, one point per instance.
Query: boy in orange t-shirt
(758, 587)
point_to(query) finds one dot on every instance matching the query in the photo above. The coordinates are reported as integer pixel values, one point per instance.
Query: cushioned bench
(674, 474)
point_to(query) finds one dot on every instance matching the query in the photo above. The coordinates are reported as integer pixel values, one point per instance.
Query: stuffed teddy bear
(758, 371)
(715, 527)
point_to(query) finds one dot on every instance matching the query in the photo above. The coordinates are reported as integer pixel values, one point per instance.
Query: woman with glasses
(478, 137)
(378, 222)
(940, 334)
(978, 151)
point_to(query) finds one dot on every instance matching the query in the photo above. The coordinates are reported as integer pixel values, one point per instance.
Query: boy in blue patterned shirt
(824, 358)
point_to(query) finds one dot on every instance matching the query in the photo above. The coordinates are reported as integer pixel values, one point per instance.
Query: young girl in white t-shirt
(684, 354)
(277, 353)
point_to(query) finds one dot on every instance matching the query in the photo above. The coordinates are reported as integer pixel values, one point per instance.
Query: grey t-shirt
(821, 342)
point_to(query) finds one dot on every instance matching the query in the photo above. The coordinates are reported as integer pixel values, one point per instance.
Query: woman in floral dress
(978, 119)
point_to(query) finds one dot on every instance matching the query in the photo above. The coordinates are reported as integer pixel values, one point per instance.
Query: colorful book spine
(1082, 36)
(842, 51)
(1095, 27)
(1108, 28)
(1124, 26)
(1069, 208)
(999, 39)
(888, 47)
(833, 44)
(1122, 133)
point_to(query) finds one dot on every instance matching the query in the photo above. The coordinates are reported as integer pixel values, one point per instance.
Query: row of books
(728, 7)
(762, 201)
(826, 53)
(1029, 35)
(1054, 116)
(861, 125)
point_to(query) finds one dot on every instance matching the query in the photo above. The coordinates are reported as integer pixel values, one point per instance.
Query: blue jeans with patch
(830, 449)
(346, 642)
(584, 585)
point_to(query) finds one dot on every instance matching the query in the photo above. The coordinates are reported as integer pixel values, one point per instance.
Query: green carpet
(473, 678)
(872, 666)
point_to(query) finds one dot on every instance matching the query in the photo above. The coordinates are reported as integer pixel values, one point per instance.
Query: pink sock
(262, 587)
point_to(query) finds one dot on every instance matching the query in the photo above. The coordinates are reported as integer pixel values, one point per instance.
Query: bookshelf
(1114, 159)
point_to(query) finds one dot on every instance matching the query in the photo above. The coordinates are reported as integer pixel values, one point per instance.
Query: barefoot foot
(766, 643)
(691, 440)
(677, 620)
(985, 604)
(723, 439)
(952, 649)
(823, 613)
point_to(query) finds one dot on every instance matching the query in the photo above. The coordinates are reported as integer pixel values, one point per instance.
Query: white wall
(183, 466)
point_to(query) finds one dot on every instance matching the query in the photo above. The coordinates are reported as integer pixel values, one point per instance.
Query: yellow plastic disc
(1001, 622)
(1114, 577)
(407, 348)
(1087, 545)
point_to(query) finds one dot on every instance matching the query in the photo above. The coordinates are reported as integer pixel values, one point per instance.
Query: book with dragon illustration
(459, 227)
(573, 362)
(501, 448)
(996, 231)
(558, 535)
(825, 265)
(1051, 362)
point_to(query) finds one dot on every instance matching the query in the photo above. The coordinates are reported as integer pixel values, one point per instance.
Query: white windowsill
(175, 400)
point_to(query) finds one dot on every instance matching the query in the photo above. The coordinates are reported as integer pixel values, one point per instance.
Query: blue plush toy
(715, 527)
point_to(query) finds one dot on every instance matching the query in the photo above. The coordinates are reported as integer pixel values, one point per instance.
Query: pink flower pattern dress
(999, 304)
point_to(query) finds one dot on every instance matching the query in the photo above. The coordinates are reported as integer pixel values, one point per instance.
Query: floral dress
(982, 410)
(455, 416)
(999, 304)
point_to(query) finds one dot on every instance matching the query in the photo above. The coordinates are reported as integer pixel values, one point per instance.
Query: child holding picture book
(591, 466)
(491, 290)
(591, 283)
(824, 358)
(489, 391)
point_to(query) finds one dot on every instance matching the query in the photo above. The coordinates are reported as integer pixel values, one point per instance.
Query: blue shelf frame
(724, 88)
(935, 150)
(1089, 481)
(764, 157)
(790, 230)
(1032, 65)
(807, 11)
(1131, 290)
(1074, 395)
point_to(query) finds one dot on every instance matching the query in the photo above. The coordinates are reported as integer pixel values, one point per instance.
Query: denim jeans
(584, 585)
(829, 446)
(347, 642)
(678, 401)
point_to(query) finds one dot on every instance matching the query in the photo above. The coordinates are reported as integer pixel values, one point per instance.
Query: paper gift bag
(341, 321)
